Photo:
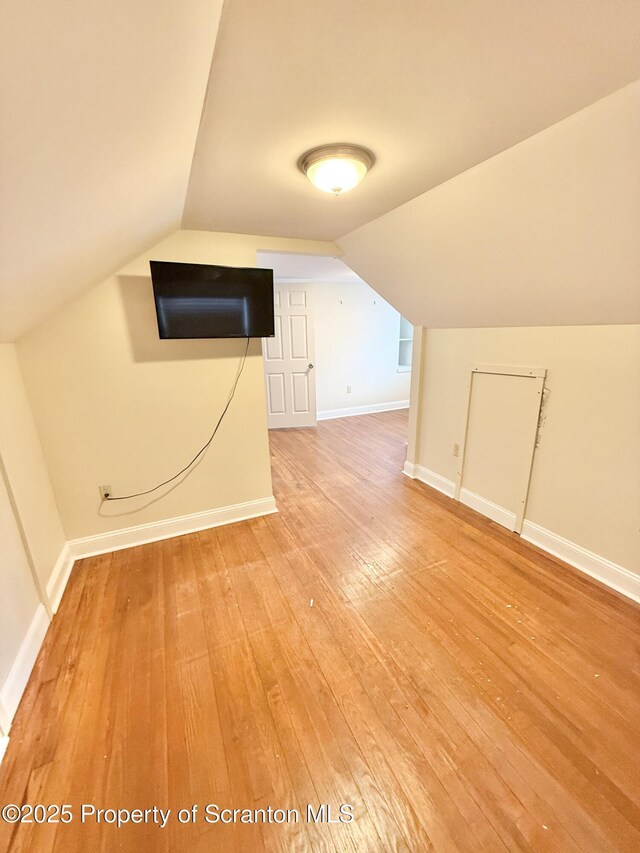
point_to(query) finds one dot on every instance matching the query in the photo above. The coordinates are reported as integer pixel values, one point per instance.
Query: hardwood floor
(373, 644)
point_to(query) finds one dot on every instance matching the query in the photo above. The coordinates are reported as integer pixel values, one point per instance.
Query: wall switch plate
(348, 389)
(456, 450)
(105, 492)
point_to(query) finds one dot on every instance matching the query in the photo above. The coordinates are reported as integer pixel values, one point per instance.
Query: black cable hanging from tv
(204, 447)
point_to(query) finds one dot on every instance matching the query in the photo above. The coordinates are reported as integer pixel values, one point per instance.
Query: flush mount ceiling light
(336, 168)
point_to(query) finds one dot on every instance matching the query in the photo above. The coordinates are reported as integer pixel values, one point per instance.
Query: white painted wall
(585, 482)
(19, 600)
(356, 345)
(115, 405)
(31, 538)
(26, 471)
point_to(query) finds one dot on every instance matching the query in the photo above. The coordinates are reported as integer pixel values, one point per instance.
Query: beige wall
(19, 600)
(585, 484)
(356, 341)
(25, 470)
(115, 405)
(545, 233)
(31, 536)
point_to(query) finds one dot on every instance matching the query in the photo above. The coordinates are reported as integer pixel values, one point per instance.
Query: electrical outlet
(105, 492)
(348, 389)
(456, 450)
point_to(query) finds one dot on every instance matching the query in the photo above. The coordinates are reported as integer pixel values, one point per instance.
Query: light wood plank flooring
(457, 687)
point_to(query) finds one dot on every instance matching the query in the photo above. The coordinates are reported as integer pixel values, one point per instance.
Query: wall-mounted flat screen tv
(206, 301)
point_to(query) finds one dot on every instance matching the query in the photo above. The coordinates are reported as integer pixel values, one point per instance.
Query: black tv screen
(206, 301)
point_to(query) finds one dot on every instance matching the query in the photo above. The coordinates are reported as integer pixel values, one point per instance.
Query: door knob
(310, 367)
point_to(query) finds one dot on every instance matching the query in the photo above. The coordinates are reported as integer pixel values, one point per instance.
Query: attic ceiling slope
(544, 234)
(100, 110)
(432, 87)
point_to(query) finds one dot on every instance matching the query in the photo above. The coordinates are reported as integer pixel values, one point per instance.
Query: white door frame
(537, 375)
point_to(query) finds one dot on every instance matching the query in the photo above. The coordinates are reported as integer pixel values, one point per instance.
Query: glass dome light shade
(336, 168)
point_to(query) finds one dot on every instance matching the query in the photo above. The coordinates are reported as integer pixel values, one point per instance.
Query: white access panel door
(501, 429)
(289, 359)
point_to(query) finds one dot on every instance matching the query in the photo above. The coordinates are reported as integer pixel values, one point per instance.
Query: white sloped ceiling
(544, 234)
(433, 87)
(102, 104)
(100, 107)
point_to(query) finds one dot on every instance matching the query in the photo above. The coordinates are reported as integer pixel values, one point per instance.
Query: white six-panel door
(289, 359)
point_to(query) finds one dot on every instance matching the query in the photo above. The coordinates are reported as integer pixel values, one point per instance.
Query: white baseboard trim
(13, 688)
(141, 534)
(4, 743)
(603, 570)
(409, 469)
(496, 513)
(436, 481)
(614, 576)
(350, 411)
(59, 577)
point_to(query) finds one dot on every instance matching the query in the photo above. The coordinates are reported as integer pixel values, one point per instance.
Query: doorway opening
(339, 350)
